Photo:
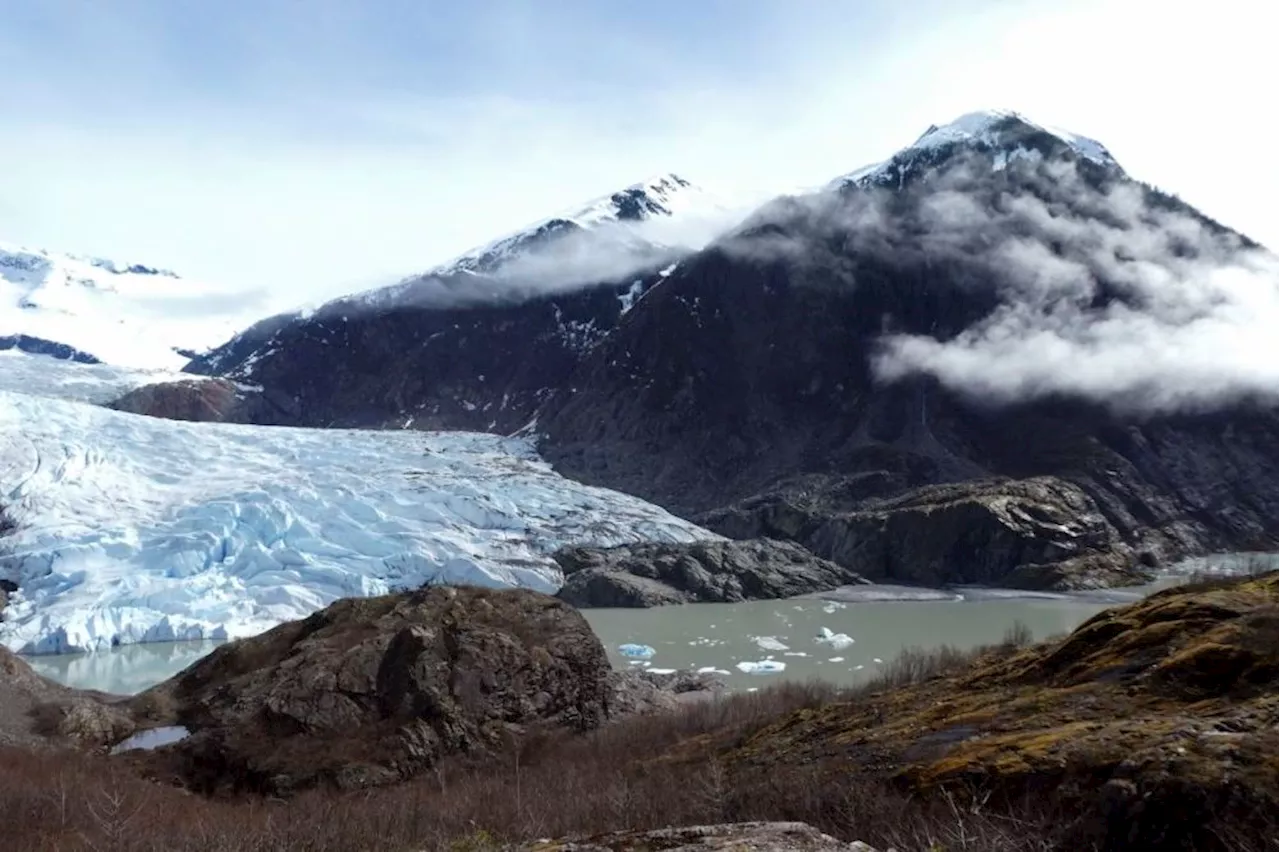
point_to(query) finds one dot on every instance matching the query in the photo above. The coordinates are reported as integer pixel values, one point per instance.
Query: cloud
(1103, 295)
(568, 259)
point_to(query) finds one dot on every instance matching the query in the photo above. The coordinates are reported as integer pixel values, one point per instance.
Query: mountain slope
(93, 310)
(956, 322)
(477, 343)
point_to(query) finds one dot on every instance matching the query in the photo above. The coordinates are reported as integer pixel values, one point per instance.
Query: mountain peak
(1004, 134)
(661, 196)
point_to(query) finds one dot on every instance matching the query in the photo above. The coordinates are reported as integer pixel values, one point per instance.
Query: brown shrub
(552, 785)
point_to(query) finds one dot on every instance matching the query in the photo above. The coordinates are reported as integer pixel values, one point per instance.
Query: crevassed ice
(137, 529)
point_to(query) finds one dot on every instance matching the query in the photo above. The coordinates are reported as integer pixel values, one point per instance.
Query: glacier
(135, 529)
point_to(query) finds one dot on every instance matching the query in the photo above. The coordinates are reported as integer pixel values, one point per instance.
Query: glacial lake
(880, 620)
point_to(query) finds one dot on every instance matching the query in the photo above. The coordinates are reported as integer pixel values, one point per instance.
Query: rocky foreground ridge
(1151, 726)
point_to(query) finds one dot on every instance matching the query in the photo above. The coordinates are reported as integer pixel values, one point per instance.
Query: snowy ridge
(627, 223)
(132, 316)
(1001, 132)
(138, 529)
(665, 195)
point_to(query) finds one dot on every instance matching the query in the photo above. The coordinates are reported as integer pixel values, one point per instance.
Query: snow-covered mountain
(640, 226)
(478, 342)
(136, 529)
(1003, 135)
(90, 309)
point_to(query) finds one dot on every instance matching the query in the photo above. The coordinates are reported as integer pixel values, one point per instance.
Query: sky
(303, 150)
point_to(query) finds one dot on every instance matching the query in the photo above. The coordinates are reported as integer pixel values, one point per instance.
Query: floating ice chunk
(152, 738)
(796, 654)
(761, 666)
(838, 660)
(630, 649)
(877, 660)
(859, 667)
(753, 689)
(835, 640)
(712, 670)
(663, 671)
(769, 643)
(831, 606)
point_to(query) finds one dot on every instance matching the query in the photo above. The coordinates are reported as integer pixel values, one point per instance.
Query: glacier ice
(137, 529)
(761, 666)
(837, 641)
(635, 651)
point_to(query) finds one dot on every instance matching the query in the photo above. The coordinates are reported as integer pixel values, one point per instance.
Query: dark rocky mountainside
(1036, 533)
(748, 378)
(641, 575)
(476, 344)
(813, 373)
(484, 366)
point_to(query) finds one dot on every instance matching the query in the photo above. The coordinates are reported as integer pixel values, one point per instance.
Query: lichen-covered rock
(373, 690)
(653, 574)
(728, 837)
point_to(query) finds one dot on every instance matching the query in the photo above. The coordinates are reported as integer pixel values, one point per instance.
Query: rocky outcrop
(1039, 533)
(37, 711)
(728, 837)
(370, 691)
(209, 400)
(641, 575)
(637, 692)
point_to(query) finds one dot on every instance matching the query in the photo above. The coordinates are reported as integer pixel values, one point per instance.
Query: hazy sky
(316, 147)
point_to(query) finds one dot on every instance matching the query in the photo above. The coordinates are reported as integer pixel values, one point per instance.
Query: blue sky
(309, 148)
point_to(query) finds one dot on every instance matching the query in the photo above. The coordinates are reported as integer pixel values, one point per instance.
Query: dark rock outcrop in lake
(371, 691)
(653, 574)
(726, 837)
(1039, 533)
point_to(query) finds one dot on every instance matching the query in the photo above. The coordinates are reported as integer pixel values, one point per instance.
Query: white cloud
(1139, 307)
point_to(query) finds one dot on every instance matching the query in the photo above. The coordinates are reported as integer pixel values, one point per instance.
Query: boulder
(653, 574)
(375, 690)
(739, 837)
(640, 692)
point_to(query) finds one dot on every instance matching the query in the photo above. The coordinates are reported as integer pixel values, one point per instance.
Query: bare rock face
(374, 690)
(211, 400)
(1037, 533)
(637, 692)
(642, 575)
(739, 837)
